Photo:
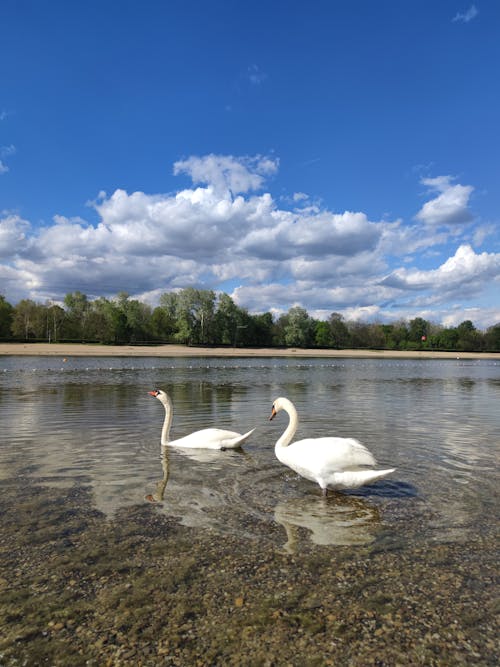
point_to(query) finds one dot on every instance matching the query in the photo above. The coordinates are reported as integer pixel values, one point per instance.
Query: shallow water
(89, 422)
(114, 552)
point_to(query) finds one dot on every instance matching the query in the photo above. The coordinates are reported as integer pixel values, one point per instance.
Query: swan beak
(273, 414)
(154, 393)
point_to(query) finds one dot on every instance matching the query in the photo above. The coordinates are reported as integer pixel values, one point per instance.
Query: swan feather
(331, 462)
(207, 438)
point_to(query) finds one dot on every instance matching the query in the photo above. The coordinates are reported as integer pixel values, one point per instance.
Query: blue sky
(341, 156)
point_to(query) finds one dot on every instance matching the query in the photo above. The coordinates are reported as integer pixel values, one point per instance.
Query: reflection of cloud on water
(340, 520)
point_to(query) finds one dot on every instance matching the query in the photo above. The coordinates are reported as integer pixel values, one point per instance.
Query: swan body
(333, 463)
(207, 438)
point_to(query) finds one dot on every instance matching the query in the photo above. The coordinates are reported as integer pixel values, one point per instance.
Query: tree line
(202, 317)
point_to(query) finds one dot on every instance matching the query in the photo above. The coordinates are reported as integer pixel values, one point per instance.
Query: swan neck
(167, 422)
(289, 432)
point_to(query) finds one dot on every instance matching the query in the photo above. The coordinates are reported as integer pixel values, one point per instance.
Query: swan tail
(352, 479)
(237, 442)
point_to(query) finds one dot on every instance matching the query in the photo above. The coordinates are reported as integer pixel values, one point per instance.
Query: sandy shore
(83, 350)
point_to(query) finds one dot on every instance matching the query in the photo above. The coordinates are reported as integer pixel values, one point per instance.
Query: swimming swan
(334, 463)
(207, 438)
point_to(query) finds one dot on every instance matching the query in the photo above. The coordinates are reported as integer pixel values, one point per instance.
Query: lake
(84, 435)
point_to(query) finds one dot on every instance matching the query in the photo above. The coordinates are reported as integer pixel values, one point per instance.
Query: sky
(340, 155)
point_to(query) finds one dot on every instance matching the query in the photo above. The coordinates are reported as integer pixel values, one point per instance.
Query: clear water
(91, 422)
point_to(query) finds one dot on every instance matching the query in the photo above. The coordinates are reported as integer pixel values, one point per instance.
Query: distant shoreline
(87, 350)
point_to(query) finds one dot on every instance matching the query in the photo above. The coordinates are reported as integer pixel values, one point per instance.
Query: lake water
(90, 422)
(114, 552)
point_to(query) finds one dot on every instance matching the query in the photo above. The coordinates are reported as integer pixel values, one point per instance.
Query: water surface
(89, 422)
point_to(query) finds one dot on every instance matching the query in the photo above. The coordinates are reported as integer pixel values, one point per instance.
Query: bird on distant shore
(333, 463)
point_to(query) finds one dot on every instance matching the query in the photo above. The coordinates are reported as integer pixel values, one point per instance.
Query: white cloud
(255, 75)
(481, 317)
(303, 234)
(465, 271)
(13, 235)
(311, 295)
(450, 207)
(219, 233)
(227, 174)
(5, 151)
(468, 15)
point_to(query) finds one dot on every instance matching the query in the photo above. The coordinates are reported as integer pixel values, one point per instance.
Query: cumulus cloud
(13, 235)
(450, 207)
(227, 174)
(225, 232)
(465, 17)
(302, 234)
(315, 297)
(465, 271)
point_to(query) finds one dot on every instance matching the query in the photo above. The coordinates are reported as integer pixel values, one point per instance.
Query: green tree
(135, 326)
(195, 310)
(339, 331)
(261, 329)
(162, 327)
(323, 334)
(400, 334)
(77, 308)
(299, 328)
(366, 335)
(469, 338)
(389, 342)
(228, 321)
(55, 317)
(492, 338)
(105, 322)
(26, 320)
(447, 339)
(279, 330)
(165, 324)
(6, 318)
(417, 329)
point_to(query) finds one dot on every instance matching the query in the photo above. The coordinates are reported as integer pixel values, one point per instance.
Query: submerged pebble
(142, 590)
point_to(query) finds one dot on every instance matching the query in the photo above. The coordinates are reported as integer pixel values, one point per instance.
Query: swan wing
(322, 456)
(212, 438)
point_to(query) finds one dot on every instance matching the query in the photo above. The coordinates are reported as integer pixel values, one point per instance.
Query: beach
(95, 350)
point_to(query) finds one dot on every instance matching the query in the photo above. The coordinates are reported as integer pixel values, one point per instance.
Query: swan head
(160, 395)
(279, 404)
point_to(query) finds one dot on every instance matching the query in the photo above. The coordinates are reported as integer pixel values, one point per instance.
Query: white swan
(334, 463)
(207, 438)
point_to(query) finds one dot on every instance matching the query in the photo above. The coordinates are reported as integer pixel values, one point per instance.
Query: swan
(334, 463)
(207, 438)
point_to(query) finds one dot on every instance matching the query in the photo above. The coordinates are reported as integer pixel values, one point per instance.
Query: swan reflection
(187, 495)
(161, 485)
(341, 521)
